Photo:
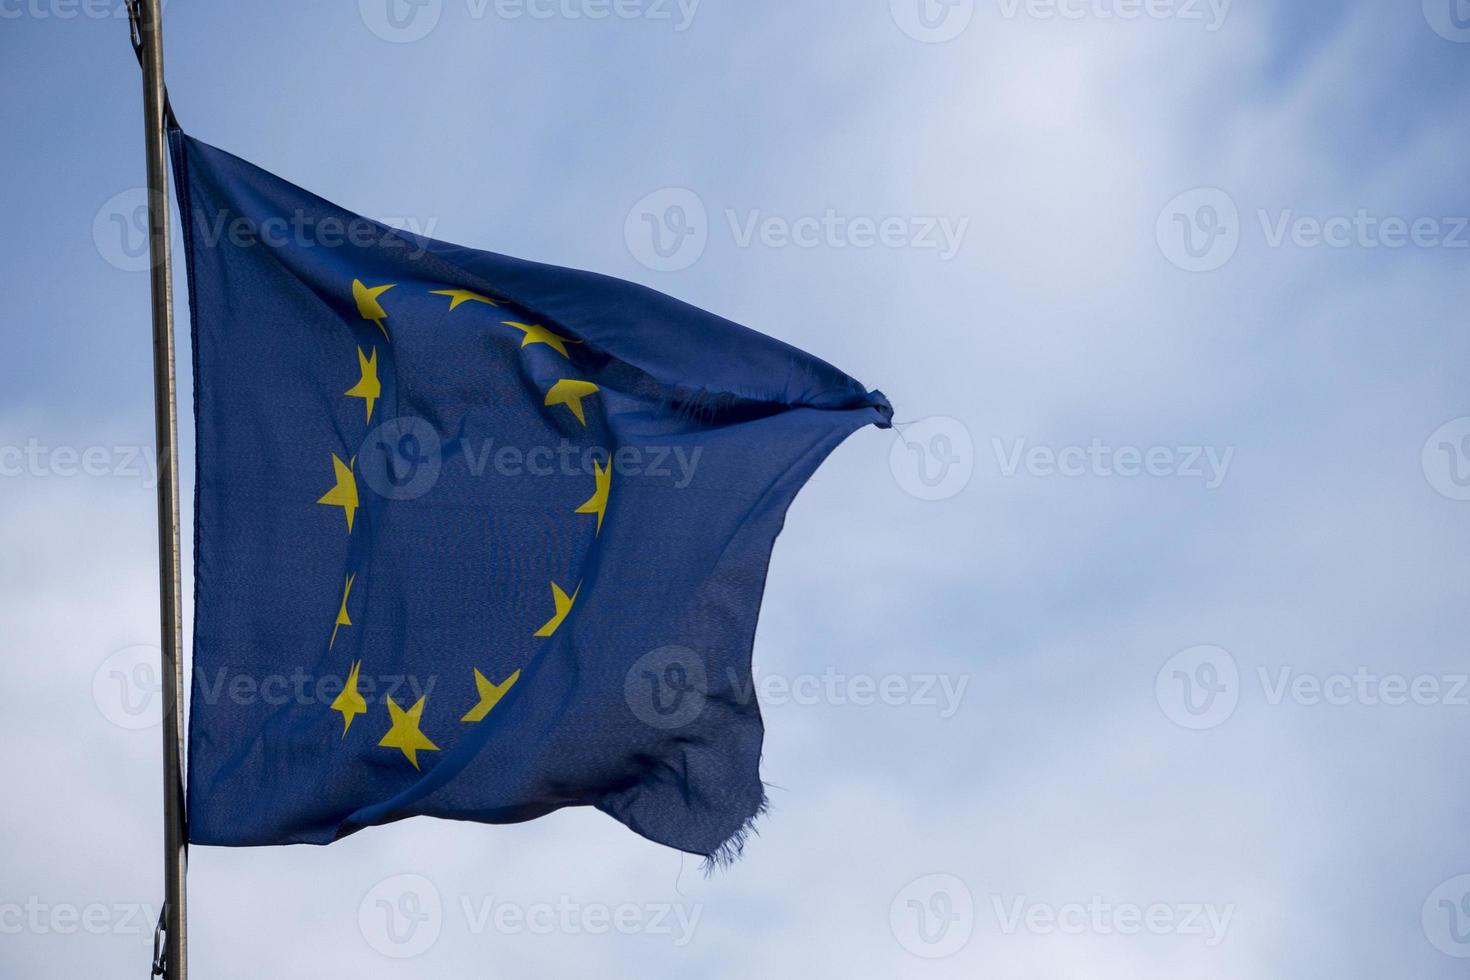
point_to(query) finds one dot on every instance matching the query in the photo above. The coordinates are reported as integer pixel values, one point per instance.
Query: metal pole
(149, 27)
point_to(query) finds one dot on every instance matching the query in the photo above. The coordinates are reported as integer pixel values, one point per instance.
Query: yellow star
(368, 388)
(459, 296)
(349, 702)
(367, 302)
(563, 606)
(490, 694)
(344, 494)
(570, 393)
(342, 618)
(598, 504)
(405, 734)
(537, 334)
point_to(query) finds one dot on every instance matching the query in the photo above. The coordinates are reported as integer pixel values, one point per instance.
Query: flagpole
(169, 949)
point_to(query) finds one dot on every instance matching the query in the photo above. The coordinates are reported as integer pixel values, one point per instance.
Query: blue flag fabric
(475, 538)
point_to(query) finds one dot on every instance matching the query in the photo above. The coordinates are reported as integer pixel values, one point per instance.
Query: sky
(1136, 649)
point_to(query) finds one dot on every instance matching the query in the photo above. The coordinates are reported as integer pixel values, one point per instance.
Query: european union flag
(475, 538)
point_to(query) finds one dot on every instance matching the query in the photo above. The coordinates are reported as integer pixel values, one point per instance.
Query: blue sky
(1218, 247)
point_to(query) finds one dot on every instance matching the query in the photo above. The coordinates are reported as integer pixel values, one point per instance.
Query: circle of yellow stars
(405, 731)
